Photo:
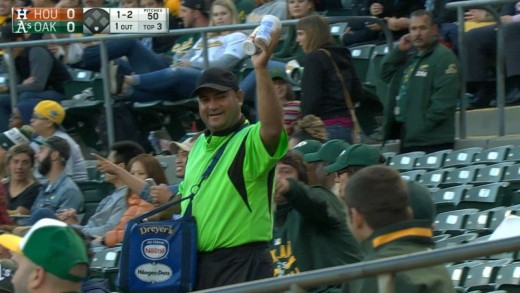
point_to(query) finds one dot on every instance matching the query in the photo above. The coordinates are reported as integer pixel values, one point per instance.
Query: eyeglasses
(38, 117)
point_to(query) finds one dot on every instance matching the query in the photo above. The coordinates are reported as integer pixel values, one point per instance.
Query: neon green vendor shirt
(234, 204)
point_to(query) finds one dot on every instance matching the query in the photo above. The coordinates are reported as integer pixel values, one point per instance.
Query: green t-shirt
(234, 205)
(184, 43)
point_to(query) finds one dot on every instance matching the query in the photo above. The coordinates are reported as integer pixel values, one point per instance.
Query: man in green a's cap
(352, 159)
(325, 156)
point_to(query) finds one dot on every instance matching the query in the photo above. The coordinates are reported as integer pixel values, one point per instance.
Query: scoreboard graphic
(37, 20)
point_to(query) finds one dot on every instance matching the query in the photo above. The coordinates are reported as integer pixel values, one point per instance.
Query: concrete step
(484, 122)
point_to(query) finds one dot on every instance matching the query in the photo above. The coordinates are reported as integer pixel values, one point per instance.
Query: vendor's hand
(376, 9)
(281, 186)
(160, 194)
(261, 58)
(106, 166)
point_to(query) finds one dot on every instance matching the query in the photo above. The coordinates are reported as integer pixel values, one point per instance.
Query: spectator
(233, 210)
(421, 202)
(5, 11)
(322, 90)
(22, 189)
(310, 230)
(382, 223)
(13, 137)
(60, 192)
(143, 166)
(483, 42)
(41, 74)
(193, 14)
(46, 120)
(177, 82)
(286, 96)
(289, 49)
(51, 257)
(309, 127)
(394, 13)
(309, 146)
(351, 160)
(426, 86)
(109, 211)
(277, 8)
(324, 157)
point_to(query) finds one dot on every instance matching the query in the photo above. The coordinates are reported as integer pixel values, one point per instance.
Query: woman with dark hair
(143, 166)
(21, 187)
(322, 88)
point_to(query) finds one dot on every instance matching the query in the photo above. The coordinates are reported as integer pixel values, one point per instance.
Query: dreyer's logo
(153, 272)
(155, 249)
(161, 229)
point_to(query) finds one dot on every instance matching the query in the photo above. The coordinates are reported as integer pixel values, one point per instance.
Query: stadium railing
(500, 75)
(384, 269)
(104, 55)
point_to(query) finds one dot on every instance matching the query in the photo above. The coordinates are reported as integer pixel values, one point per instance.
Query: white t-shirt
(220, 45)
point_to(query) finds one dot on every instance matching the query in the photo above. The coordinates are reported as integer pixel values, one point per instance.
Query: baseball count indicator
(34, 20)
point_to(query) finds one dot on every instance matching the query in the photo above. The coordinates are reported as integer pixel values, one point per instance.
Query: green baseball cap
(51, 244)
(355, 155)
(420, 201)
(328, 152)
(278, 73)
(307, 146)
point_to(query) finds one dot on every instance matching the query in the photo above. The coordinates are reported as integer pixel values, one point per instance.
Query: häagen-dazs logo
(155, 249)
(153, 272)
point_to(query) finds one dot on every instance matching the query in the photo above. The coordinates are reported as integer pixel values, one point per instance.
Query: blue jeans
(170, 84)
(141, 59)
(339, 132)
(248, 84)
(5, 103)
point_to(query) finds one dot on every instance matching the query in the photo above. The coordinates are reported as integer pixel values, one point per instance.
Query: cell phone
(150, 182)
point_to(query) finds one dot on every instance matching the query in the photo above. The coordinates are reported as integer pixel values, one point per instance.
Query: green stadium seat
(482, 222)
(374, 72)
(491, 173)
(93, 192)
(405, 162)
(480, 276)
(432, 161)
(388, 156)
(484, 196)
(413, 175)
(508, 274)
(105, 265)
(435, 177)
(452, 220)
(447, 199)
(493, 156)
(458, 272)
(361, 60)
(462, 157)
(514, 154)
(459, 176)
(456, 240)
(512, 174)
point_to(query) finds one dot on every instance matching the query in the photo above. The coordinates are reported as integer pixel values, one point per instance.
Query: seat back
(462, 157)
(405, 162)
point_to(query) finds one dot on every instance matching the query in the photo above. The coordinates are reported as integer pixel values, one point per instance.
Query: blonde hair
(314, 126)
(317, 31)
(229, 5)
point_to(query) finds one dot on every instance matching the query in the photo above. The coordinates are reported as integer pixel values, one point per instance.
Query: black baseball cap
(58, 144)
(195, 4)
(216, 78)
